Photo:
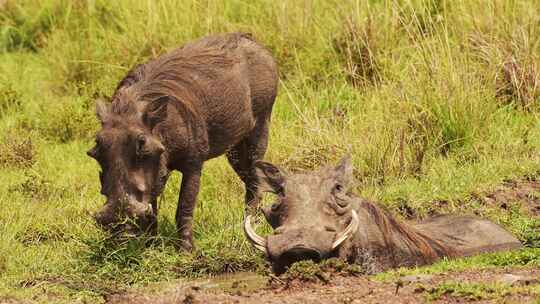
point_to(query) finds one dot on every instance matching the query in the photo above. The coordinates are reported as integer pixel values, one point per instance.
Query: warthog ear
(156, 111)
(103, 110)
(92, 153)
(344, 171)
(271, 179)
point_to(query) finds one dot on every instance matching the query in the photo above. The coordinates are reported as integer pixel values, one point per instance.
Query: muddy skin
(316, 217)
(211, 97)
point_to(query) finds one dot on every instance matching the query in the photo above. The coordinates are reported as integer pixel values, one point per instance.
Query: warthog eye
(141, 141)
(340, 195)
(338, 190)
(92, 152)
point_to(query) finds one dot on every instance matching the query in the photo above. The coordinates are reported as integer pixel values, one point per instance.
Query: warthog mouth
(293, 255)
(133, 221)
(299, 252)
(125, 231)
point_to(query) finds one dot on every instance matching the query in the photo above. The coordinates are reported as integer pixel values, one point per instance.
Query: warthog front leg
(186, 204)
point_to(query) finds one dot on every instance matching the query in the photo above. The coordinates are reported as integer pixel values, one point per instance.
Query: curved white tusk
(350, 230)
(256, 240)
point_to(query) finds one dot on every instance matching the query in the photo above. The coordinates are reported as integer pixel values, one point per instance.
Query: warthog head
(133, 168)
(312, 216)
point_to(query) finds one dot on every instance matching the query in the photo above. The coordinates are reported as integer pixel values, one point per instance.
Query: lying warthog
(315, 217)
(210, 97)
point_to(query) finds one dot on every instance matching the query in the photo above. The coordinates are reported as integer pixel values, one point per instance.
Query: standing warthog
(315, 217)
(210, 97)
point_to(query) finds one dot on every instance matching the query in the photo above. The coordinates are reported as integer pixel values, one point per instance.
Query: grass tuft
(16, 151)
(308, 271)
(357, 46)
(519, 82)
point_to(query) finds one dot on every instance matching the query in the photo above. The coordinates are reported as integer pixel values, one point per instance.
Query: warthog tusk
(256, 240)
(350, 230)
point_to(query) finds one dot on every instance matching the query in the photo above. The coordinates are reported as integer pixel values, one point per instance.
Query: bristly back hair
(425, 249)
(172, 75)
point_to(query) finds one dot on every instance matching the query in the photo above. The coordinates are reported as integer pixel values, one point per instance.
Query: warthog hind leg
(243, 156)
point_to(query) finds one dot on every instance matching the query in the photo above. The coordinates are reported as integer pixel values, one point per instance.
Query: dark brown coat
(210, 97)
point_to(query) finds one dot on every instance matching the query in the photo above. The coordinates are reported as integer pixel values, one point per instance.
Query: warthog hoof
(185, 244)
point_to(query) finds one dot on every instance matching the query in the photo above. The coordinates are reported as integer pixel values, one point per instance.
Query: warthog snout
(296, 245)
(287, 247)
(132, 219)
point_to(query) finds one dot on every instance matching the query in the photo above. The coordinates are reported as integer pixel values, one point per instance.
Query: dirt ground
(348, 289)
(526, 191)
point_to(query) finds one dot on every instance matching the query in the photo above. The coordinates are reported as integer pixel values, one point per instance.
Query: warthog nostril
(330, 229)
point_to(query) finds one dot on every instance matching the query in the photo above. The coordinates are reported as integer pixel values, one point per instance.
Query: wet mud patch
(240, 284)
(305, 272)
(460, 287)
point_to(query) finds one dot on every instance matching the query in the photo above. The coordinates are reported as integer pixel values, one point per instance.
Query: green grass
(528, 257)
(479, 291)
(415, 90)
